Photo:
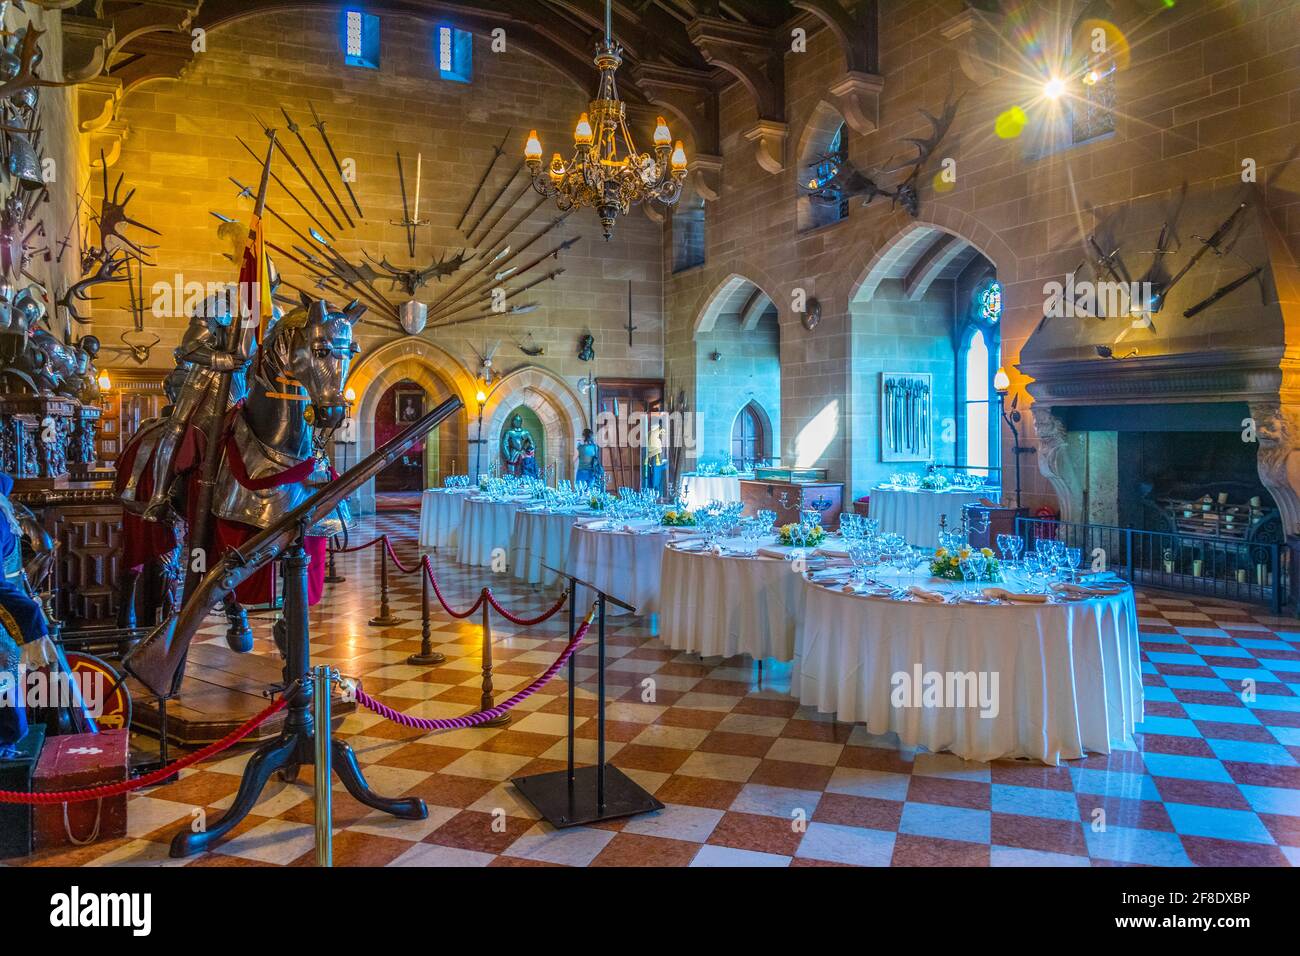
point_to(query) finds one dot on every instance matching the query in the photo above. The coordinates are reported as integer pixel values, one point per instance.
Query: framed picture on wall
(906, 422)
(410, 404)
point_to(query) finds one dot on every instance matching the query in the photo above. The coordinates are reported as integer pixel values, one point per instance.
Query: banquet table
(1068, 674)
(540, 542)
(729, 604)
(915, 513)
(699, 490)
(440, 515)
(486, 524)
(623, 564)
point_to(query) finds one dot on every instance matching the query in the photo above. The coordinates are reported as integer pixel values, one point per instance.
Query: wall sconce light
(716, 356)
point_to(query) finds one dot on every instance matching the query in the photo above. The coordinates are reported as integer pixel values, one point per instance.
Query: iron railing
(1255, 572)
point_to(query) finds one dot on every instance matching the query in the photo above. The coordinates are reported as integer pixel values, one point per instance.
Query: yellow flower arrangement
(679, 519)
(814, 536)
(947, 564)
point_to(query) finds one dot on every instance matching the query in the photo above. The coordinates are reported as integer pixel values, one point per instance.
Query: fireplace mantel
(1236, 375)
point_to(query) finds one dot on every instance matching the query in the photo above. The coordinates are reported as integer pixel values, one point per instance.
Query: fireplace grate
(1253, 572)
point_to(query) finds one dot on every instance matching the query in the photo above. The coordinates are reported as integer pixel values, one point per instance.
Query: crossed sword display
(330, 270)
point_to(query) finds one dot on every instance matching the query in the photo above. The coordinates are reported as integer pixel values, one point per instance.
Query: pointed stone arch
(557, 406)
(441, 376)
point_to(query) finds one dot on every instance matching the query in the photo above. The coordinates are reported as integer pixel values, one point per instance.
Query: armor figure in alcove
(206, 349)
(512, 446)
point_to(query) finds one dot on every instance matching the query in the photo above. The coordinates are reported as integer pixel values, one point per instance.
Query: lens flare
(1010, 123)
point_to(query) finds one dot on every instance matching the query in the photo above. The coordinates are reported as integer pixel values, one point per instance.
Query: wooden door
(618, 401)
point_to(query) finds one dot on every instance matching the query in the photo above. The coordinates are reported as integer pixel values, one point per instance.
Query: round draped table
(623, 564)
(486, 524)
(541, 541)
(1068, 676)
(915, 514)
(724, 605)
(440, 514)
(699, 490)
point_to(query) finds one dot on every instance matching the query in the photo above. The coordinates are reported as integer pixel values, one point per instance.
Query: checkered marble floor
(748, 777)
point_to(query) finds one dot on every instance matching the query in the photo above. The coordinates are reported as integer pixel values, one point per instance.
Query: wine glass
(1004, 545)
(978, 562)
(967, 566)
(1073, 558)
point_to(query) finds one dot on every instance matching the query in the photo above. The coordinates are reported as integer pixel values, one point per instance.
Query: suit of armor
(205, 348)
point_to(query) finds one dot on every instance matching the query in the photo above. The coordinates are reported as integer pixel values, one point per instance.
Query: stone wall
(1207, 86)
(182, 148)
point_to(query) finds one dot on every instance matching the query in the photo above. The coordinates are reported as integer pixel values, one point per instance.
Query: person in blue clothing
(13, 713)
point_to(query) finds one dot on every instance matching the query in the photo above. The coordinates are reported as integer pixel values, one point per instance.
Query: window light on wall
(455, 50)
(360, 39)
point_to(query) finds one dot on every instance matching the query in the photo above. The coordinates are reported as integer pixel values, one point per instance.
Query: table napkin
(925, 594)
(1015, 597)
(773, 553)
(1064, 587)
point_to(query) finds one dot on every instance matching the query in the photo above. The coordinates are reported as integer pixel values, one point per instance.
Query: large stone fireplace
(1202, 407)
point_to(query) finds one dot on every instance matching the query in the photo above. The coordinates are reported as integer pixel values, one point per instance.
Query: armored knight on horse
(291, 400)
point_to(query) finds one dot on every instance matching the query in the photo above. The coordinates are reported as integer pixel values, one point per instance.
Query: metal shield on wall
(414, 316)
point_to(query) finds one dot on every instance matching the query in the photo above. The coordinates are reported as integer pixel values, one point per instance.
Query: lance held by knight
(215, 342)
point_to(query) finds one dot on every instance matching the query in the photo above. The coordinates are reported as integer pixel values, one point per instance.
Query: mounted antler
(29, 54)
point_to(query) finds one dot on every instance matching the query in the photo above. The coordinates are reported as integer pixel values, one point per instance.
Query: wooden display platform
(221, 689)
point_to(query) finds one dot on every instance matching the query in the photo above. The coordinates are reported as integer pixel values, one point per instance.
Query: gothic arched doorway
(407, 476)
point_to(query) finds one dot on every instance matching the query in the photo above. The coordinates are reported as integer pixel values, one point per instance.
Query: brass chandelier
(606, 172)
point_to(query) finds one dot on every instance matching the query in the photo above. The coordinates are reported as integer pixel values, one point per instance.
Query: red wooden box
(76, 762)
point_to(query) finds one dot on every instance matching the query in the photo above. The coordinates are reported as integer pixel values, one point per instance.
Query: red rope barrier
(360, 547)
(388, 545)
(428, 570)
(482, 716)
(149, 779)
(527, 622)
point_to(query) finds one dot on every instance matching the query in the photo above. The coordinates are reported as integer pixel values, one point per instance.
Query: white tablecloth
(541, 540)
(440, 514)
(719, 605)
(485, 526)
(1069, 675)
(915, 514)
(699, 490)
(622, 564)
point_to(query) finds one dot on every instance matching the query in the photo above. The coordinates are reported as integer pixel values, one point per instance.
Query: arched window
(977, 402)
(748, 438)
(978, 361)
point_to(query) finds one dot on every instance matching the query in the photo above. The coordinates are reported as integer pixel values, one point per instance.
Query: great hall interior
(672, 433)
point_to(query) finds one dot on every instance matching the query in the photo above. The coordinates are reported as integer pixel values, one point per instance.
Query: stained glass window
(990, 303)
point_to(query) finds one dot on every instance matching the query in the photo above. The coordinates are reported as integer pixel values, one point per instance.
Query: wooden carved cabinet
(85, 522)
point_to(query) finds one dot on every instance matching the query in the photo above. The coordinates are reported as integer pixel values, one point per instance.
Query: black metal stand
(573, 797)
(295, 745)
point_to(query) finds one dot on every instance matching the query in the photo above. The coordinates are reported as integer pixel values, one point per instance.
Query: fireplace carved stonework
(1277, 429)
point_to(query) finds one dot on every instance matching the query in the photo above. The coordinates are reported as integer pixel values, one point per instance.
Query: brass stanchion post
(385, 618)
(487, 702)
(427, 654)
(323, 758)
(331, 575)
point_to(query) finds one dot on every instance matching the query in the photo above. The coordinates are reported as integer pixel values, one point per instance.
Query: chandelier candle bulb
(678, 160)
(533, 149)
(663, 137)
(582, 134)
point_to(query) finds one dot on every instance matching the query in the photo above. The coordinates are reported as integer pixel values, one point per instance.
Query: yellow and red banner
(255, 281)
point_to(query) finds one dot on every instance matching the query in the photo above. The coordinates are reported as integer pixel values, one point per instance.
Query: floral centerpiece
(679, 519)
(813, 534)
(947, 564)
(728, 470)
(483, 482)
(596, 502)
(935, 482)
